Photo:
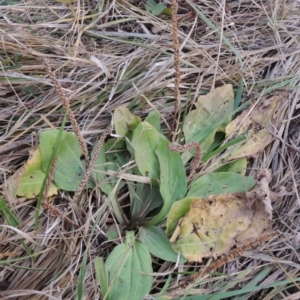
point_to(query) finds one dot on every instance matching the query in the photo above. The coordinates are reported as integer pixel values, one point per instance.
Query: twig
(54, 211)
(91, 164)
(292, 147)
(49, 179)
(66, 105)
(175, 123)
(48, 206)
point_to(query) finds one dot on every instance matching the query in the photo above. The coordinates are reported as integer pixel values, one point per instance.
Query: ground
(111, 53)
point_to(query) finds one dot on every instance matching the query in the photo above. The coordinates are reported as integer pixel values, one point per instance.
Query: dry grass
(108, 53)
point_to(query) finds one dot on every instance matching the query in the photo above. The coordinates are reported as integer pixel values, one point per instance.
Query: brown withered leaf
(260, 224)
(253, 123)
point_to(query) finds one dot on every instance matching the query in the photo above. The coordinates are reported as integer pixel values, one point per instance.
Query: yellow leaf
(254, 124)
(27, 181)
(211, 226)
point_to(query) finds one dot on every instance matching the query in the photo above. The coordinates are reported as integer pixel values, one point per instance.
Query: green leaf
(136, 201)
(112, 157)
(101, 275)
(48, 168)
(210, 109)
(220, 183)
(145, 141)
(156, 241)
(144, 198)
(30, 178)
(154, 8)
(69, 167)
(178, 210)
(238, 166)
(154, 119)
(213, 112)
(8, 215)
(99, 175)
(173, 182)
(124, 120)
(113, 231)
(31, 182)
(81, 277)
(238, 97)
(127, 267)
(223, 147)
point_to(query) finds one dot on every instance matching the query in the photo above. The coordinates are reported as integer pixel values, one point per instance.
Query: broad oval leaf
(145, 140)
(69, 166)
(173, 182)
(178, 210)
(124, 120)
(210, 109)
(220, 183)
(28, 180)
(156, 241)
(154, 119)
(126, 267)
(113, 155)
(213, 112)
(211, 226)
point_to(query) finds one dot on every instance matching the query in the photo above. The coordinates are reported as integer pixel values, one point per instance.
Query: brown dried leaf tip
(66, 105)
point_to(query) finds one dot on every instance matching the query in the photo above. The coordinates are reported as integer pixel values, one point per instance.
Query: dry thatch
(108, 53)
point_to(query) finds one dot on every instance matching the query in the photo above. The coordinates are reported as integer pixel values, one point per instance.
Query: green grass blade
(12, 220)
(238, 97)
(101, 275)
(277, 86)
(244, 290)
(255, 281)
(225, 146)
(8, 215)
(80, 283)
